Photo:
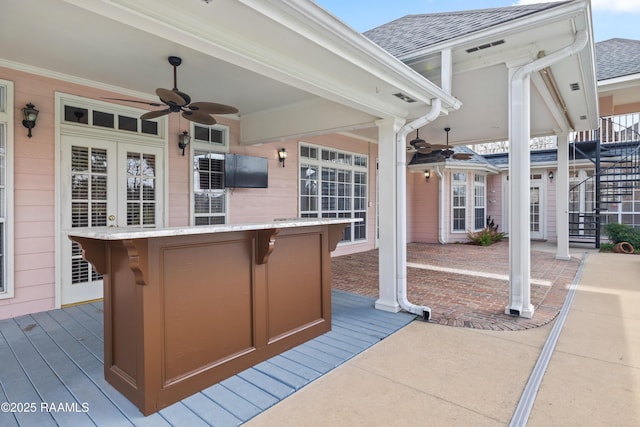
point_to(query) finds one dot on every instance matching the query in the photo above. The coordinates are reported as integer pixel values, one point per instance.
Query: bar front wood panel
(187, 311)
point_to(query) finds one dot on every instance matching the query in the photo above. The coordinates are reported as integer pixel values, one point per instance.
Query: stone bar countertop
(118, 233)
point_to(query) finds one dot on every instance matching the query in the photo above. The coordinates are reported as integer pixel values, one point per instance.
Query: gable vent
(405, 98)
(574, 86)
(485, 46)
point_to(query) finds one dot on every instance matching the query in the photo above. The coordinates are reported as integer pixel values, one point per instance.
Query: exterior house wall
(422, 208)
(35, 187)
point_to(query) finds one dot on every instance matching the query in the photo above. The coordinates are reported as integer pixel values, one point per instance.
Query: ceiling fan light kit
(177, 101)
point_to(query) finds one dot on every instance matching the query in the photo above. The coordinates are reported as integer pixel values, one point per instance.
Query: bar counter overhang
(188, 307)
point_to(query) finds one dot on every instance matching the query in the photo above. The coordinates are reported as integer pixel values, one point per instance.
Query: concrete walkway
(429, 374)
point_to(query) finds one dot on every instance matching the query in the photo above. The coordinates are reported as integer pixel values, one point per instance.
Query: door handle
(112, 217)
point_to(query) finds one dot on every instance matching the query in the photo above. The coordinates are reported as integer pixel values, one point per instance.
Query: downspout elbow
(578, 44)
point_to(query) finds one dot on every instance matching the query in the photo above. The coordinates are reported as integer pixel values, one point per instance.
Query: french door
(104, 183)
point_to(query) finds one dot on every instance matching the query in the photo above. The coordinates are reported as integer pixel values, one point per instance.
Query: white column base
(526, 313)
(390, 306)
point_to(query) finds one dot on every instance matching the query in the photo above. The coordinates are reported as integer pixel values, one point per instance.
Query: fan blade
(153, 104)
(199, 117)
(153, 114)
(462, 156)
(212, 108)
(439, 146)
(168, 96)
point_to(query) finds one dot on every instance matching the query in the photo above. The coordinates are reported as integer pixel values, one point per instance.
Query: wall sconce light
(30, 115)
(427, 175)
(282, 155)
(183, 140)
(550, 175)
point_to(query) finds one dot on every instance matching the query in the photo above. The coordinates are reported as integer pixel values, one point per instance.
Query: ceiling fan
(438, 151)
(176, 101)
(448, 153)
(423, 147)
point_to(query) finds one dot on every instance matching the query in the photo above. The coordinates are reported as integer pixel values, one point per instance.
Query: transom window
(334, 184)
(105, 117)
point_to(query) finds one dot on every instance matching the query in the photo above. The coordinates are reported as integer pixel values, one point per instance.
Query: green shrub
(623, 233)
(487, 236)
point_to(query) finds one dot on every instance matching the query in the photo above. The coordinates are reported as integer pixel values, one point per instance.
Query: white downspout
(519, 167)
(401, 189)
(401, 209)
(441, 208)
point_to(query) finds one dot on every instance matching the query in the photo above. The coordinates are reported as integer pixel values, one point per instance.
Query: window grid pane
(339, 181)
(209, 193)
(141, 189)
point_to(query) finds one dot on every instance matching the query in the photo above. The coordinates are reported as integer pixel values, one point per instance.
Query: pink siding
(422, 208)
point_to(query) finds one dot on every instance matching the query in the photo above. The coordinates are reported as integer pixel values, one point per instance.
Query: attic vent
(575, 86)
(404, 97)
(485, 46)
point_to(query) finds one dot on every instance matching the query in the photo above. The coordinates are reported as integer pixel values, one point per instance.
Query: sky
(611, 18)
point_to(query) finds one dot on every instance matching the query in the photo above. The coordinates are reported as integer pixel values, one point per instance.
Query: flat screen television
(245, 171)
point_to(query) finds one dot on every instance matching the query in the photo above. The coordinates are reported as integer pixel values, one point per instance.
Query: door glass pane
(141, 189)
(535, 209)
(88, 202)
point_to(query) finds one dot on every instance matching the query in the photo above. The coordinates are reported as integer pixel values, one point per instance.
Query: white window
(209, 193)
(459, 201)
(479, 201)
(334, 184)
(6, 189)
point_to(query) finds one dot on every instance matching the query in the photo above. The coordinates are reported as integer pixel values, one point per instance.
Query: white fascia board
(367, 55)
(617, 83)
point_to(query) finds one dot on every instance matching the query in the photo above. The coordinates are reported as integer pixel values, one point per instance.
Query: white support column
(519, 182)
(562, 198)
(387, 192)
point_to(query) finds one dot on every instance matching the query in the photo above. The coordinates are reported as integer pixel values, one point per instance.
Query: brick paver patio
(471, 299)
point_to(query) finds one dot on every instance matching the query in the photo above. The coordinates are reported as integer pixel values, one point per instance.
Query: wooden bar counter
(188, 307)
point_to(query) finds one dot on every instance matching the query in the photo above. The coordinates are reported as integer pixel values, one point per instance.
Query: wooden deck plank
(283, 376)
(267, 383)
(57, 356)
(179, 414)
(236, 405)
(309, 361)
(250, 392)
(46, 386)
(93, 368)
(210, 411)
(294, 367)
(82, 390)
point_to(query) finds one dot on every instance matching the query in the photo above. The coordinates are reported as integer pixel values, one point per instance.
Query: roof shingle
(412, 33)
(617, 58)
